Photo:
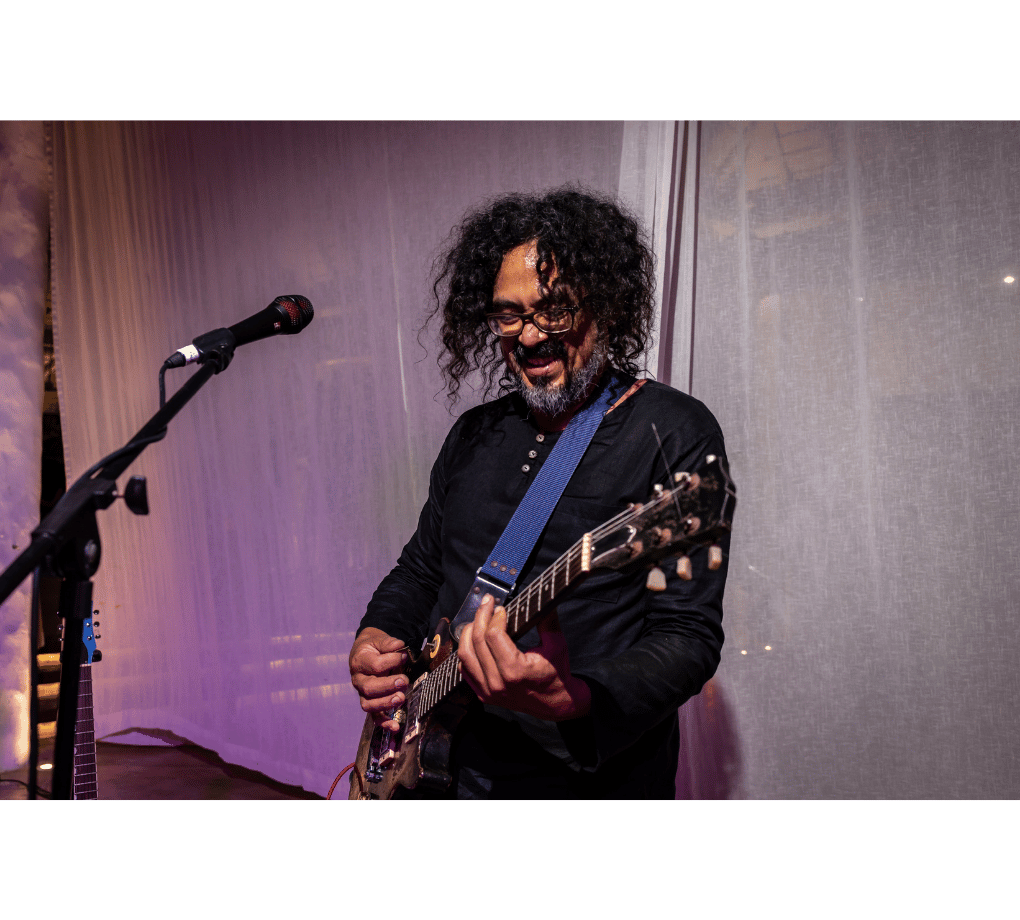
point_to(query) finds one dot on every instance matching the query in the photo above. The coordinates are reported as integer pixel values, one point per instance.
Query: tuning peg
(656, 580)
(714, 557)
(683, 568)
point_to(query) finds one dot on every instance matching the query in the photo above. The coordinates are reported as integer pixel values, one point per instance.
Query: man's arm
(398, 613)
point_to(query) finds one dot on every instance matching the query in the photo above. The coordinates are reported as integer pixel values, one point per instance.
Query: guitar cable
(340, 775)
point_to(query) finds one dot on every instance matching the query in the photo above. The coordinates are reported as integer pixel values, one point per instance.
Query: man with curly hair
(555, 292)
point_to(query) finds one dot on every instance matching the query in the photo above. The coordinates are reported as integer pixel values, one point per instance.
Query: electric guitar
(696, 512)
(83, 775)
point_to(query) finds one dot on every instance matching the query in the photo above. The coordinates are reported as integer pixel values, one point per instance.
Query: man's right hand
(376, 663)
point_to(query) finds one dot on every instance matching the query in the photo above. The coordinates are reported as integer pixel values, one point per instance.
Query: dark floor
(185, 771)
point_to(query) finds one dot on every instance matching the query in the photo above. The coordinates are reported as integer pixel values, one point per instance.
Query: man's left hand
(537, 682)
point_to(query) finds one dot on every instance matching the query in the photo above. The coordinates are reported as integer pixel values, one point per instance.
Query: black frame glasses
(550, 321)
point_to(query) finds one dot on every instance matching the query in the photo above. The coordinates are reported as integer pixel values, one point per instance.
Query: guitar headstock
(89, 650)
(696, 511)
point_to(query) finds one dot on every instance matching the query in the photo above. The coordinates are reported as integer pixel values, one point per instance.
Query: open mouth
(540, 365)
(542, 359)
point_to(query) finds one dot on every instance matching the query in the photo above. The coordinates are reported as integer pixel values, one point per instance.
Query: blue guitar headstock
(88, 642)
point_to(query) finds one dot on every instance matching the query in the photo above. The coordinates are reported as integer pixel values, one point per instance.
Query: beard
(554, 400)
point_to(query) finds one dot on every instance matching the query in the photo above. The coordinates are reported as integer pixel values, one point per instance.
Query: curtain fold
(24, 202)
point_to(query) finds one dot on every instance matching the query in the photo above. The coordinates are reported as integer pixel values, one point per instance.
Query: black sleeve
(679, 646)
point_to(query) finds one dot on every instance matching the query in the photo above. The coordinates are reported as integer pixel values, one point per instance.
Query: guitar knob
(714, 557)
(656, 580)
(97, 636)
(683, 568)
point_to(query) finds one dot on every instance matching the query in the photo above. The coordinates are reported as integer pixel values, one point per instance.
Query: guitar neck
(84, 774)
(528, 607)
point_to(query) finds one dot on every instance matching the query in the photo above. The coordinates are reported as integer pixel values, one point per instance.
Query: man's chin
(544, 395)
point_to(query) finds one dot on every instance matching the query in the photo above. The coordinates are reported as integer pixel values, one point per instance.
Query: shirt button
(540, 438)
(532, 454)
(525, 468)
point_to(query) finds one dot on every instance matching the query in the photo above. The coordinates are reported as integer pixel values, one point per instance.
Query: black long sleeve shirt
(642, 653)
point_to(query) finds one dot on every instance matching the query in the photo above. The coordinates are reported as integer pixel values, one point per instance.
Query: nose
(531, 335)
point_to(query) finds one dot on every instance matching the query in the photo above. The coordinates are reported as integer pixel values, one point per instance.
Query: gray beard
(554, 401)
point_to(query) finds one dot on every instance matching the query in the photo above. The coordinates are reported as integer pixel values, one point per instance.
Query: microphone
(287, 315)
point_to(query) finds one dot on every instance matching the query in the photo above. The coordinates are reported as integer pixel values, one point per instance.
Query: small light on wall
(743, 651)
(1009, 279)
(45, 766)
(768, 648)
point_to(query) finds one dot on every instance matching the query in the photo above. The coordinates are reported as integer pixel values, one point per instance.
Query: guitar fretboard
(84, 775)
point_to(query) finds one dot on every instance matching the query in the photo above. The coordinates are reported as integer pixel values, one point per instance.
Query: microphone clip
(216, 348)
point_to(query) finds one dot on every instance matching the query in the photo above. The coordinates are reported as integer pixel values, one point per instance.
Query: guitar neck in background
(84, 785)
(84, 774)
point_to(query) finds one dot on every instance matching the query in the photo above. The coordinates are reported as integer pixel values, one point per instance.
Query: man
(557, 292)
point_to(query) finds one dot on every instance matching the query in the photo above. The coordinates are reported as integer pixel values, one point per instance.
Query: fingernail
(397, 700)
(400, 682)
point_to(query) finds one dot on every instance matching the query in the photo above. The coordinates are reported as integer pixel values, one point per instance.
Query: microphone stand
(66, 544)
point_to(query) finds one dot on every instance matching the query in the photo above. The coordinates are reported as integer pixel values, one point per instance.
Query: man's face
(554, 363)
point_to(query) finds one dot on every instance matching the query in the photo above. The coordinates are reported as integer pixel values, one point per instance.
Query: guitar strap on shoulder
(498, 575)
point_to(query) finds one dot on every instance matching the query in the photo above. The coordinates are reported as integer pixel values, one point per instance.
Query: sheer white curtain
(857, 335)
(24, 193)
(286, 488)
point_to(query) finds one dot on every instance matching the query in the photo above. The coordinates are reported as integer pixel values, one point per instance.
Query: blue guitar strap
(498, 575)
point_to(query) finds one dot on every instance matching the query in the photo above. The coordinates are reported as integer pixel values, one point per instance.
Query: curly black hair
(602, 264)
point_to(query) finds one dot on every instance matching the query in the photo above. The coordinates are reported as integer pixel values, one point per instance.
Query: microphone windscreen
(299, 311)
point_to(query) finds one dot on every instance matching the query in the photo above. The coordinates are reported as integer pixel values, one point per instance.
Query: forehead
(517, 282)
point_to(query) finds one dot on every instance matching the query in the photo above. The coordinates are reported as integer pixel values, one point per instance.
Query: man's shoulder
(659, 399)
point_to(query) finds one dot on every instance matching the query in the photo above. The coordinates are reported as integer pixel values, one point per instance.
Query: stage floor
(186, 771)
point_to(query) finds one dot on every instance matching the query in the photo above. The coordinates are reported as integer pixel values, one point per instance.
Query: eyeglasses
(556, 320)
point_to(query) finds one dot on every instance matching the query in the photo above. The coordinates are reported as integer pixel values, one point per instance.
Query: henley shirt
(642, 653)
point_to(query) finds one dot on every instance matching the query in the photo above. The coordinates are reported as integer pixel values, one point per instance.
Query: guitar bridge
(383, 749)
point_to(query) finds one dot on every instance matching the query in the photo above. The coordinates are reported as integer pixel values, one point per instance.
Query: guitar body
(394, 765)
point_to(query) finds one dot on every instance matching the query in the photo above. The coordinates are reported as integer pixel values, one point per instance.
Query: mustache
(550, 348)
